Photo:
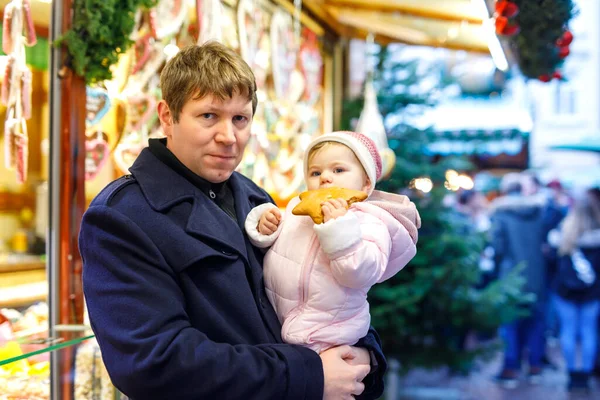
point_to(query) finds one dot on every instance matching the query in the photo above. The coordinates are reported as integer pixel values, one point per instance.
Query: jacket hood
(523, 206)
(590, 239)
(400, 208)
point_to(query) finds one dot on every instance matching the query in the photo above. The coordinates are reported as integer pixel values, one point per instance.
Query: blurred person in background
(517, 236)
(555, 210)
(577, 285)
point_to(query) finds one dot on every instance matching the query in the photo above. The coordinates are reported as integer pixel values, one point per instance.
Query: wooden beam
(445, 10)
(412, 30)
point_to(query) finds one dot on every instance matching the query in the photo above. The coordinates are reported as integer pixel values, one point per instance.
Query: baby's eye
(315, 173)
(338, 170)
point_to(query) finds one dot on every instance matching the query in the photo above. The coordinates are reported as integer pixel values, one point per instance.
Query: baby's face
(336, 166)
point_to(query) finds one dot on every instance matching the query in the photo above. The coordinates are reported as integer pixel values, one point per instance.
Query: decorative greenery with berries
(538, 34)
(100, 32)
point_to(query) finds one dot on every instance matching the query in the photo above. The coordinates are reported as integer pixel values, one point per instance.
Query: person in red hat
(317, 275)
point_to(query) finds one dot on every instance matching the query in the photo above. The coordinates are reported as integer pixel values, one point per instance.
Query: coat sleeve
(358, 250)
(256, 238)
(374, 382)
(151, 351)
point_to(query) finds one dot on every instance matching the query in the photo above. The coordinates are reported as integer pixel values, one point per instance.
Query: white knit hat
(363, 147)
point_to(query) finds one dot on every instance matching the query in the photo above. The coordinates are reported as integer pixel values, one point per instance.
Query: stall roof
(454, 24)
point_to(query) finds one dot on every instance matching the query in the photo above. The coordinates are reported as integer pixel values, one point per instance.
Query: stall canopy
(453, 24)
(591, 144)
(477, 127)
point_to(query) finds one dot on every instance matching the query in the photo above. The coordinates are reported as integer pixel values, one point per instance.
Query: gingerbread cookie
(311, 200)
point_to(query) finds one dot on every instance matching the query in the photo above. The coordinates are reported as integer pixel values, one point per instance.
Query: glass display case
(25, 365)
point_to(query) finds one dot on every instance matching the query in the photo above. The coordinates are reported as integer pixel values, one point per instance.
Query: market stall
(111, 119)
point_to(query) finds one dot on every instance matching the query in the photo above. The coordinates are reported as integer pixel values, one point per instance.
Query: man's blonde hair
(209, 69)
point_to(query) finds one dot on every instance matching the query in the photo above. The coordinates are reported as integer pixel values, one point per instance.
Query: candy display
(29, 378)
(18, 32)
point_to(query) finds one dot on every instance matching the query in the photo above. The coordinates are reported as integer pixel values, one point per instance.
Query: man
(173, 286)
(517, 236)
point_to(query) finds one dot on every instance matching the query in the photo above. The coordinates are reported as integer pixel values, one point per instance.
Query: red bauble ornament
(557, 75)
(545, 78)
(506, 8)
(565, 39)
(503, 28)
(563, 52)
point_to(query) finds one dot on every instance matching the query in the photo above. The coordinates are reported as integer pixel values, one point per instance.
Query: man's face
(336, 166)
(211, 134)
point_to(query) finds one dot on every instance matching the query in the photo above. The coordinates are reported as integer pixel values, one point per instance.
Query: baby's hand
(334, 208)
(269, 221)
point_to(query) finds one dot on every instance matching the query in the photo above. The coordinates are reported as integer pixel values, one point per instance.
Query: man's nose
(226, 133)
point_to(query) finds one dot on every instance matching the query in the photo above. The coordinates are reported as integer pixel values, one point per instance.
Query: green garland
(542, 22)
(100, 32)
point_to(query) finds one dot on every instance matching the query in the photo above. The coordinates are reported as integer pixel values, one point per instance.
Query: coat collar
(163, 188)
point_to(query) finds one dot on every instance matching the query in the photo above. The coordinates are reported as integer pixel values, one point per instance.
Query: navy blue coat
(176, 299)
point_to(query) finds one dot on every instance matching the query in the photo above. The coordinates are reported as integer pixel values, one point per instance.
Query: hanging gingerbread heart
(283, 52)
(97, 152)
(141, 109)
(211, 21)
(170, 15)
(97, 105)
(250, 29)
(125, 155)
(311, 62)
(142, 47)
(149, 60)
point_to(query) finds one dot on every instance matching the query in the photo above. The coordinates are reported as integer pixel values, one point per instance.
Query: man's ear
(165, 116)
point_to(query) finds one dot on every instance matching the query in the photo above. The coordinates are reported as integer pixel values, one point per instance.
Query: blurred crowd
(552, 234)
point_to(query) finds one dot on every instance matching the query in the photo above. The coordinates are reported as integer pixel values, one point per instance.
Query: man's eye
(207, 115)
(240, 118)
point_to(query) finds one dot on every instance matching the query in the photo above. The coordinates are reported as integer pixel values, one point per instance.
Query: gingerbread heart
(97, 152)
(211, 21)
(97, 105)
(140, 111)
(125, 154)
(172, 15)
(283, 52)
(249, 22)
(311, 63)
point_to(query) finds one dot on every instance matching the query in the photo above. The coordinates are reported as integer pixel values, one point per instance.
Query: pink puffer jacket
(317, 276)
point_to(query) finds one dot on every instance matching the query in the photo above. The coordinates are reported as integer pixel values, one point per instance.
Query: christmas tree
(424, 313)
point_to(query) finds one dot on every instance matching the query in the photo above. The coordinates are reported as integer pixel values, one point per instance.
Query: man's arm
(374, 383)
(151, 350)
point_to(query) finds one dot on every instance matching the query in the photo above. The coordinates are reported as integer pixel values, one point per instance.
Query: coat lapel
(211, 223)
(164, 188)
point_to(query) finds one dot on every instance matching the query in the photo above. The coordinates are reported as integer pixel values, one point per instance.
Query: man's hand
(334, 208)
(269, 221)
(360, 356)
(343, 380)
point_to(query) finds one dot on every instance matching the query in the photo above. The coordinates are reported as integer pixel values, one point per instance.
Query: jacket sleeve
(256, 238)
(358, 252)
(151, 350)
(374, 382)
(498, 240)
